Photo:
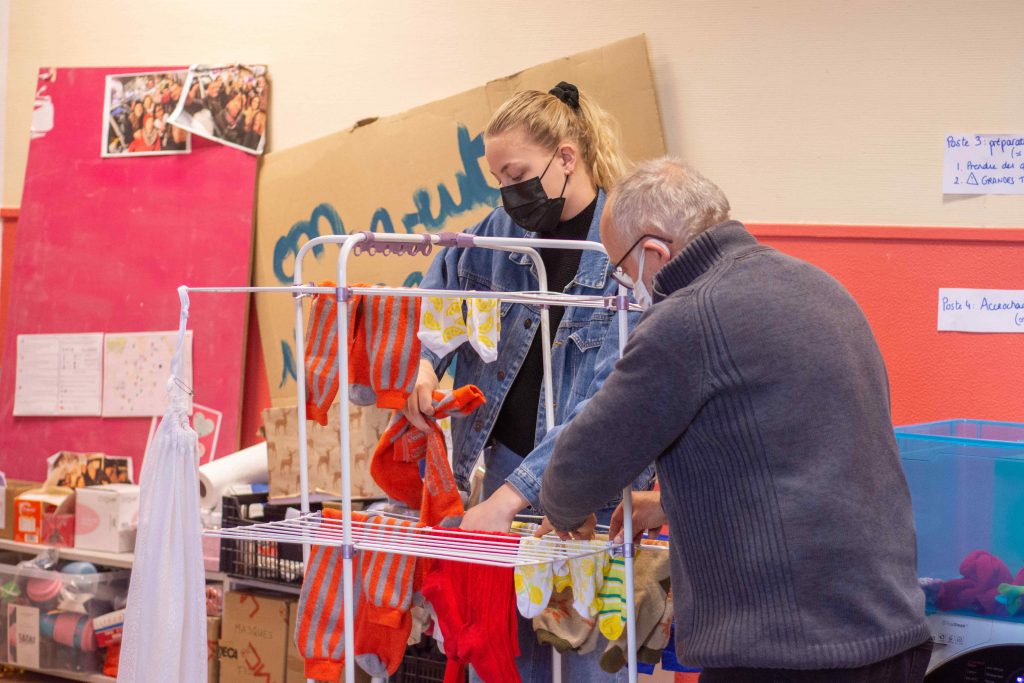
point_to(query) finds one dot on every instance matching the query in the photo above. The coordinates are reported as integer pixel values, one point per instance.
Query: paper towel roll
(247, 466)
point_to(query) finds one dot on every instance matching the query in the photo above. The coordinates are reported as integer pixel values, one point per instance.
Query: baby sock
(484, 322)
(360, 387)
(383, 623)
(560, 575)
(587, 575)
(650, 651)
(321, 363)
(319, 629)
(612, 615)
(394, 464)
(442, 327)
(561, 626)
(321, 356)
(441, 497)
(394, 348)
(650, 569)
(533, 582)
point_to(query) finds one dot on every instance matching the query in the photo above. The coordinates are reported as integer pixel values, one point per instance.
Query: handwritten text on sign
(981, 310)
(983, 164)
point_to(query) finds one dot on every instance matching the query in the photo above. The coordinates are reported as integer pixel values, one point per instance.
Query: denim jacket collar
(593, 269)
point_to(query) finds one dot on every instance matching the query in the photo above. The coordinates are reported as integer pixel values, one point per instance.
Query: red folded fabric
(476, 613)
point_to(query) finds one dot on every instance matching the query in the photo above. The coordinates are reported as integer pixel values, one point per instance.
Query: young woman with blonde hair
(553, 154)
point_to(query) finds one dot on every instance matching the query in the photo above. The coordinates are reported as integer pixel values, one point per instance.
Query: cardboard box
(323, 467)
(295, 664)
(107, 517)
(212, 649)
(13, 489)
(45, 516)
(441, 183)
(254, 638)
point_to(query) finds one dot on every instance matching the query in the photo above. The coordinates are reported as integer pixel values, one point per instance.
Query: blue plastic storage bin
(966, 481)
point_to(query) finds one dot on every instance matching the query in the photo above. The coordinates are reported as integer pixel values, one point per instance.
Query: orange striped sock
(394, 464)
(319, 630)
(321, 364)
(321, 356)
(394, 347)
(383, 623)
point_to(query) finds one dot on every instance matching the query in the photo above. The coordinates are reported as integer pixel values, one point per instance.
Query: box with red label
(45, 516)
(107, 517)
(108, 628)
(14, 488)
(254, 638)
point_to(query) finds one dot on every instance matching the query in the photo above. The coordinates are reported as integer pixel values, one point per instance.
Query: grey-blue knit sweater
(756, 385)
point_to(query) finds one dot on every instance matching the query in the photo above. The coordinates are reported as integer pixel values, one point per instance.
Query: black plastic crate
(422, 663)
(263, 560)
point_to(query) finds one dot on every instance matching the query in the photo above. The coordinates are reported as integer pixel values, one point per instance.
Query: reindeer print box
(324, 467)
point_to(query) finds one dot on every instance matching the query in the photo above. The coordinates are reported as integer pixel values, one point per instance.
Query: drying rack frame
(312, 529)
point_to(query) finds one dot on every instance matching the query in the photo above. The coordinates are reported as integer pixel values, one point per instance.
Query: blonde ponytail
(547, 121)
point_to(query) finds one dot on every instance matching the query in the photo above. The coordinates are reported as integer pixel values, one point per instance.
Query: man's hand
(585, 532)
(421, 400)
(497, 512)
(647, 514)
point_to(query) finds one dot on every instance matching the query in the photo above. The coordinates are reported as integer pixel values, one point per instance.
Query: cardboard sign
(422, 170)
(323, 466)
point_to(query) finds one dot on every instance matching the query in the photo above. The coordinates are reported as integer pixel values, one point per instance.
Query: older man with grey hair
(756, 386)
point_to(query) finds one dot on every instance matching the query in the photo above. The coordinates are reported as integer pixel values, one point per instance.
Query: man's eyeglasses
(618, 274)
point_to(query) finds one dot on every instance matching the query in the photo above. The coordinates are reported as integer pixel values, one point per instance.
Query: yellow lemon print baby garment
(533, 582)
(442, 326)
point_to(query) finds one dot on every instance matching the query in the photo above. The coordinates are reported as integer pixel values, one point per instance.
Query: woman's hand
(647, 514)
(421, 401)
(497, 512)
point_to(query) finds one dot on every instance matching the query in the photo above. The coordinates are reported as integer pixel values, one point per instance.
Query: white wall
(824, 111)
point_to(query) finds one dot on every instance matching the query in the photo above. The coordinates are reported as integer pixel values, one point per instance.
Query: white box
(107, 517)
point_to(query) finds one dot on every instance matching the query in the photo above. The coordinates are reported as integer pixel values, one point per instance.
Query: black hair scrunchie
(568, 93)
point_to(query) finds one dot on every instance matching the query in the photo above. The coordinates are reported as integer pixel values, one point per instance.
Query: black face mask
(529, 205)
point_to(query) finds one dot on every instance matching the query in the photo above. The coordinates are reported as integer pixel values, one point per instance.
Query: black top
(516, 427)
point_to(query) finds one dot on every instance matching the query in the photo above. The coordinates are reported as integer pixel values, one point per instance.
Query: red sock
(475, 607)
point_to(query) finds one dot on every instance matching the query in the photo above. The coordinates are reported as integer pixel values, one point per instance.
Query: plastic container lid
(43, 590)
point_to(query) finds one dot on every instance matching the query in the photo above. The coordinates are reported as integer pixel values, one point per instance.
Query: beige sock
(561, 626)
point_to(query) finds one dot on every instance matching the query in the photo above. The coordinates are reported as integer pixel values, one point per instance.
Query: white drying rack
(352, 536)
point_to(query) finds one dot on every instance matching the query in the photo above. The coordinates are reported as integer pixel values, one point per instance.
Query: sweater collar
(710, 247)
